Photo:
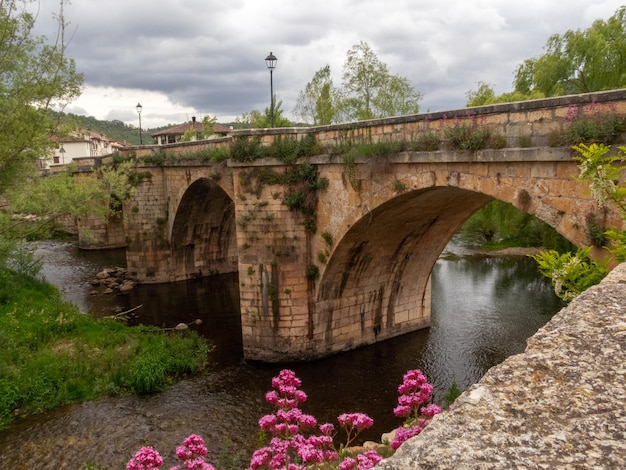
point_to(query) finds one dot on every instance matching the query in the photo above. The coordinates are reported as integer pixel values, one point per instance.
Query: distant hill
(117, 130)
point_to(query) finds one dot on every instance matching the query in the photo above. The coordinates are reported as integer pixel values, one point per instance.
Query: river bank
(52, 355)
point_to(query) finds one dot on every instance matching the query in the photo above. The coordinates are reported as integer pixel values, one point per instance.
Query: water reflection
(483, 310)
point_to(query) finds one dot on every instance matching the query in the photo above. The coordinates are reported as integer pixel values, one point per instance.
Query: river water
(483, 310)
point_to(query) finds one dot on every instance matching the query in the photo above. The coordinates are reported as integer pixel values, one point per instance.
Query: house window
(56, 159)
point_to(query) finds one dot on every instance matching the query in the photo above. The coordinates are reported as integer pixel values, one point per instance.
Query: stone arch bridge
(363, 274)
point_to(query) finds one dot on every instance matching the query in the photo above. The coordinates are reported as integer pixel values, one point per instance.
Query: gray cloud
(209, 56)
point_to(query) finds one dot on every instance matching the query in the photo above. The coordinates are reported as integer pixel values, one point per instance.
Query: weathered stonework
(93, 234)
(389, 218)
(560, 404)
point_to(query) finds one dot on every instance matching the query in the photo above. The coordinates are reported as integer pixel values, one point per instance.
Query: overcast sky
(184, 58)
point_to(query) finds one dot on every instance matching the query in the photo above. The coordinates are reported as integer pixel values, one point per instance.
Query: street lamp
(270, 61)
(139, 108)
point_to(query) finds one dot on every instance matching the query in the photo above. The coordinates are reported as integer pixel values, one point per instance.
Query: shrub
(426, 142)
(497, 141)
(463, 137)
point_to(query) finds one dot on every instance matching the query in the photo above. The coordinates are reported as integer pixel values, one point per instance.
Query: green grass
(51, 354)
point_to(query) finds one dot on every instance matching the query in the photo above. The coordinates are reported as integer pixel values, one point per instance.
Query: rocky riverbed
(112, 280)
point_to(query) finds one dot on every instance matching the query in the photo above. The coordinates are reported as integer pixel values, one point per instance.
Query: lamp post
(139, 108)
(270, 61)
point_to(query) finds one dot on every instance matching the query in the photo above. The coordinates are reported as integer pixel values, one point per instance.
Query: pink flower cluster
(289, 448)
(413, 404)
(414, 391)
(363, 461)
(191, 453)
(354, 423)
(145, 458)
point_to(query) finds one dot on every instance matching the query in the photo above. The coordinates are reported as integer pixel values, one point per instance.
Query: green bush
(601, 128)
(425, 142)
(463, 137)
(51, 354)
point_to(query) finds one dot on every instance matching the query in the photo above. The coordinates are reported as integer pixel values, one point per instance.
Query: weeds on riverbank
(51, 354)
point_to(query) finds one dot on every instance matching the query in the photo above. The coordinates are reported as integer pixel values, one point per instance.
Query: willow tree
(579, 61)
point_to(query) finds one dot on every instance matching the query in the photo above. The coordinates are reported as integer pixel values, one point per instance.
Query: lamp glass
(270, 61)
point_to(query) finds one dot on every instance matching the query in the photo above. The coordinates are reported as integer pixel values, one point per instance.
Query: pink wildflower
(404, 434)
(145, 458)
(327, 429)
(368, 459)
(415, 391)
(359, 421)
(192, 453)
(430, 410)
(347, 464)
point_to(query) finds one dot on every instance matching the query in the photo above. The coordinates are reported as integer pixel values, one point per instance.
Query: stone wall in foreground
(560, 404)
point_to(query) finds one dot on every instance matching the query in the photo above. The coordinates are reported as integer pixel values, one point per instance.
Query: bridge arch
(203, 235)
(376, 283)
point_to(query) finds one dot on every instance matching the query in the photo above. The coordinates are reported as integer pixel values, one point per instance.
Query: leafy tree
(397, 98)
(575, 62)
(35, 76)
(369, 91)
(485, 95)
(571, 273)
(503, 224)
(363, 75)
(579, 61)
(262, 120)
(317, 103)
(93, 194)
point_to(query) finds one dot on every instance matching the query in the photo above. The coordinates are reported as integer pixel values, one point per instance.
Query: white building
(80, 144)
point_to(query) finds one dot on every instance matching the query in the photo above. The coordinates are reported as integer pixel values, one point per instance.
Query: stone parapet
(560, 404)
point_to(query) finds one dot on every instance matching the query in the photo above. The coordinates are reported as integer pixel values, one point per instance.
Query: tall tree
(363, 76)
(317, 103)
(397, 97)
(35, 75)
(367, 91)
(579, 61)
(370, 91)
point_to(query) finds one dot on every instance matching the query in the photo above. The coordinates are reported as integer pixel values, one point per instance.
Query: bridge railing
(536, 123)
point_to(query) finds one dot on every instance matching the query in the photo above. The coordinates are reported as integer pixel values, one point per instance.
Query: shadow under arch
(376, 284)
(203, 239)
